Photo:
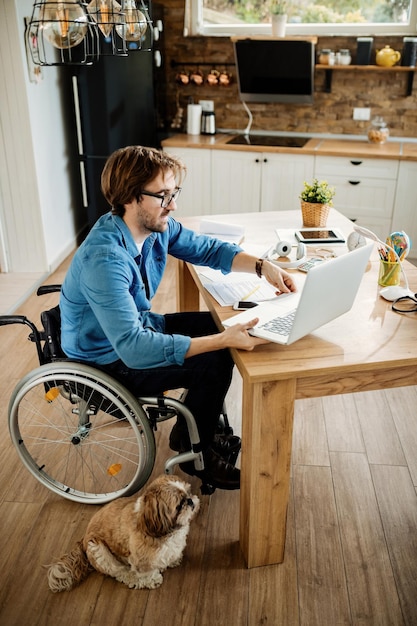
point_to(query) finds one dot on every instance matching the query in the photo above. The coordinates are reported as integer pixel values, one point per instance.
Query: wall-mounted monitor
(275, 70)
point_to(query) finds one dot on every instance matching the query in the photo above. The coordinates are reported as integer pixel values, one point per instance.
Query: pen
(248, 295)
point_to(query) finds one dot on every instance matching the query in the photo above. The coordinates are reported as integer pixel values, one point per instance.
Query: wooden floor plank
(17, 520)
(15, 288)
(117, 604)
(403, 403)
(321, 578)
(273, 590)
(380, 435)
(343, 427)
(310, 441)
(224, 566)
(397, 502)
(55, 530)
(371, 585)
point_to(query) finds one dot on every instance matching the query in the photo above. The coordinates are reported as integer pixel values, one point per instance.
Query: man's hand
(237, 336)
(278, 278)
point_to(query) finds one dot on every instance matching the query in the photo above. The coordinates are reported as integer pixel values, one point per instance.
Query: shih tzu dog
(132, 539)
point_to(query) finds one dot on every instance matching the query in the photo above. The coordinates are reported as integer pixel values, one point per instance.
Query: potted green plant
(316, 199)
(278, 10)
(278, 7)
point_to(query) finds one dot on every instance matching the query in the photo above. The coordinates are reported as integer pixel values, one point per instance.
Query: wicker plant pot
(314, 214)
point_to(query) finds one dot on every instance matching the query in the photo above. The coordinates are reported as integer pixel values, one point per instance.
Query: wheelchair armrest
(43, 289)
(13, 319)
(34, 336)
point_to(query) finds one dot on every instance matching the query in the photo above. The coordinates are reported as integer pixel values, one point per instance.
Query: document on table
(228, 289)
(233, 233)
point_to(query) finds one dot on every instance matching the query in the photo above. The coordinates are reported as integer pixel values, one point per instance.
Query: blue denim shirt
(107, 293)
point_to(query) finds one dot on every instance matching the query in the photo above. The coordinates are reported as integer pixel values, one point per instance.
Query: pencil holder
(389, 273)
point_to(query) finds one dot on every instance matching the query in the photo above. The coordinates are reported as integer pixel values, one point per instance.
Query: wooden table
(371, 347)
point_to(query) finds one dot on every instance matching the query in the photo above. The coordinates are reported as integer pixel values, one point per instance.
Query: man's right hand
(237, 336)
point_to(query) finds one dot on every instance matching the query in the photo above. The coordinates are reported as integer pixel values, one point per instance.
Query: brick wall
(383, 92)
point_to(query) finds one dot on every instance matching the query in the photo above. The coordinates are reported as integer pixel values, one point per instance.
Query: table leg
(188, 297)
(267, 423)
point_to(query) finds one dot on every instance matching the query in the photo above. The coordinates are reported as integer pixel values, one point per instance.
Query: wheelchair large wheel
(81, 433)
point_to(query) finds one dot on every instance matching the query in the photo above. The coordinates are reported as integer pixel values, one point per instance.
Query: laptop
(329, 291)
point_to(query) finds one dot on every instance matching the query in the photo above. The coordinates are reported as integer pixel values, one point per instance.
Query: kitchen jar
(326, 57)
(409, 53)
(378, 131)
(344, 57)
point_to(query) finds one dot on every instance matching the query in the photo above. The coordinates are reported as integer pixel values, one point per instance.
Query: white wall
(37, 215)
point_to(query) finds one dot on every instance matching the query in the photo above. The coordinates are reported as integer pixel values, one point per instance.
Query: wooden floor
(351, 548)
(15, 288)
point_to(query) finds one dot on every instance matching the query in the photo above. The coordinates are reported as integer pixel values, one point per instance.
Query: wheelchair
(80, 432)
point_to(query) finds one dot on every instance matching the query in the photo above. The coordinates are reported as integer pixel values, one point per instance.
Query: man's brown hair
(128, 170)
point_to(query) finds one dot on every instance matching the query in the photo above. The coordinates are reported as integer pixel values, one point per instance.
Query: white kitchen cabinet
(405, 208)
(258, 181)
(195, 198)
(365, 189)
(283, 176)
(235, 181)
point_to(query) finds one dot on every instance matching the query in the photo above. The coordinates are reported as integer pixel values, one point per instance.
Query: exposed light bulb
(106, 13)
(134, 25)
(64, 24)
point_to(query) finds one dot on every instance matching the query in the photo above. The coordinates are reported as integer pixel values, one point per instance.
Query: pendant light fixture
(73, 32)
(105, 13)
(64, 23)
(134, 26)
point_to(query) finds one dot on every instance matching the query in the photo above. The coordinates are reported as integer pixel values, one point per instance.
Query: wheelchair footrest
(184, 457)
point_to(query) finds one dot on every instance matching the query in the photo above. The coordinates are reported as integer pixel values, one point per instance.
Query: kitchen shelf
(367, 68)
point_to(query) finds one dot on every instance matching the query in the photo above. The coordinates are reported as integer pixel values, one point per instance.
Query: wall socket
(361, 114)
(206, 105)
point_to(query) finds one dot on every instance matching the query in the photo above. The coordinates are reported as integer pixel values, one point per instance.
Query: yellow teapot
(387, 57)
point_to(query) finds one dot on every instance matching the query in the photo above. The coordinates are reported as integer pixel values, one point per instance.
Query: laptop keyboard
(280, 325)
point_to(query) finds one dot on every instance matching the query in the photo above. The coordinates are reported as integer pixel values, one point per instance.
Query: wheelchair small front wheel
(80, 433)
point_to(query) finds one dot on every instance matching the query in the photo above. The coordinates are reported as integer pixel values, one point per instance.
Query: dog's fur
(132, 539)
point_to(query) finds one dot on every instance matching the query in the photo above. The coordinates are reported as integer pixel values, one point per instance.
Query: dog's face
(166, 504)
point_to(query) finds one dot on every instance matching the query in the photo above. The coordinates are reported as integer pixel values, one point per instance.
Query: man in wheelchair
(107, 295)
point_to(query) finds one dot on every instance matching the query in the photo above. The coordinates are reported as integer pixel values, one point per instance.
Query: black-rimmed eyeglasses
(405, 304)
(165, 198)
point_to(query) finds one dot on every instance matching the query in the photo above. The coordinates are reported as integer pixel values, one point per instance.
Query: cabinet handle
(354, 182)
(356, 162)
(265, 160)
(257, 160)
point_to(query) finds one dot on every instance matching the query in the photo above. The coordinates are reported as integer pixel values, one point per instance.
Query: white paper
(286, 234)
(233, 233)
(211, 227)
(239, 287)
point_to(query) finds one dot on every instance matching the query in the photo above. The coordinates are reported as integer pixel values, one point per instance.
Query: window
(305, 17)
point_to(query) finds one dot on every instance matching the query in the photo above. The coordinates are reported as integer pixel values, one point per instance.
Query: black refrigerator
(115, 105)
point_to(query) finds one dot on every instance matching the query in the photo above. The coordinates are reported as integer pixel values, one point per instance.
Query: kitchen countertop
(393, 149)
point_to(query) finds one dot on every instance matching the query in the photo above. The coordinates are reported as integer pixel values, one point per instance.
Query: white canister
(194, 119)
(344, 57)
